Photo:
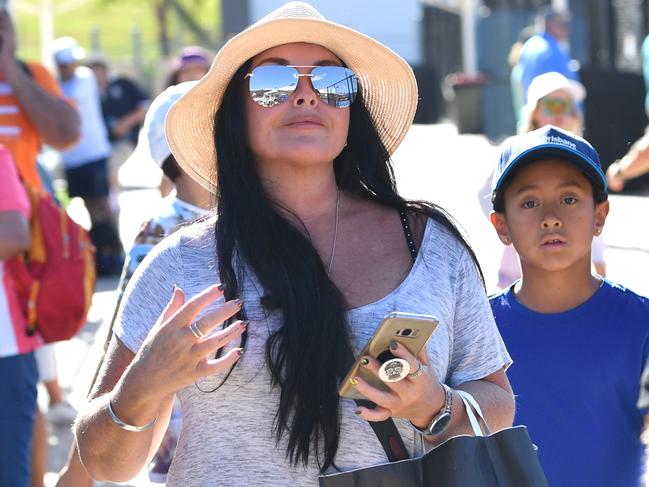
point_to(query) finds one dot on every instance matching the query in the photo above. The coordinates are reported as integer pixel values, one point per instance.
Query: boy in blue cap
(578, 341)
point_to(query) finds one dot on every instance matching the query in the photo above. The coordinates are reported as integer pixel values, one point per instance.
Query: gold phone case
(409, 329)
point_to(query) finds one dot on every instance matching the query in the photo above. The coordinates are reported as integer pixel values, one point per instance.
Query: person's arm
(420, 399)
(140, 387)
(14, 234)
(635, 163)
(124, 125)
(73, 474)
(55, 120)
(106, 451)
(496, 399)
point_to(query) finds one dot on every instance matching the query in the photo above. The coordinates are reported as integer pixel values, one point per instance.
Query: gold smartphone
(409, 329)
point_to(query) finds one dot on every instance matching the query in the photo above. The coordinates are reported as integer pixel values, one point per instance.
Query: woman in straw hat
(311, 246)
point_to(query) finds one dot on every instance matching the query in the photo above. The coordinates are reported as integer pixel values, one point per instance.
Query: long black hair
(307, 354)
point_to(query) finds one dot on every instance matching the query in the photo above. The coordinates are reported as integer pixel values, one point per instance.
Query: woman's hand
(417, 399)
(172, 356)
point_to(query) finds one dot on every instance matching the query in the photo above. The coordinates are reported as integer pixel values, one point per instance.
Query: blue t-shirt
(576, 376)
(543, 54)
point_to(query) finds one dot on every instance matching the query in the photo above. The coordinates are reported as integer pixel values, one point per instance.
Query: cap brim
(387, 83)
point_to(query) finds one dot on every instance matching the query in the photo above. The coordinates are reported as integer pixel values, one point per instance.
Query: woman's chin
(311, 155)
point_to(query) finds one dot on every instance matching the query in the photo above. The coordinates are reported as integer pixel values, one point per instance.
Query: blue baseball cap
(548, 142)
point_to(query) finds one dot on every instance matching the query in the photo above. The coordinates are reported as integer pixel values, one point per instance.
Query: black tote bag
(506, 458)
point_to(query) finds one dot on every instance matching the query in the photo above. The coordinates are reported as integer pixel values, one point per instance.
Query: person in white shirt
(86, 163)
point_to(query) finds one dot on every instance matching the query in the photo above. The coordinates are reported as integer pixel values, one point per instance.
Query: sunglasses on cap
(273, 84)
(553, 107)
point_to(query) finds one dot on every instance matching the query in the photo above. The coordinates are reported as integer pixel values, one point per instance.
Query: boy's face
(550, 215)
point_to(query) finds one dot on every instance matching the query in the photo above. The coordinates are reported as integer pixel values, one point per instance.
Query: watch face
(441, 423)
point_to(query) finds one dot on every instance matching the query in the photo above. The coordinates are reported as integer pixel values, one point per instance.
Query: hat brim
(576, 90)
(590, 168)
(386, 81)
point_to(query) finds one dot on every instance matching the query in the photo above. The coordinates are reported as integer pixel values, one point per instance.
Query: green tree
(187, 12)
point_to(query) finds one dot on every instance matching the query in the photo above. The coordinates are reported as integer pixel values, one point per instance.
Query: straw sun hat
(387, 83)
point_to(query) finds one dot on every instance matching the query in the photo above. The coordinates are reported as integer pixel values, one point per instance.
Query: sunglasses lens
(557, 106)
(337, 86)
(271, 85)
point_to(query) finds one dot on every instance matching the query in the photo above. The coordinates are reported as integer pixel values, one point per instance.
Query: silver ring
(417, 373)
(196, 330)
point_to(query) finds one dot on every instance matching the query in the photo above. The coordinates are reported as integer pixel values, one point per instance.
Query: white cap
(66, 50)
(546, 83)
(152, 141)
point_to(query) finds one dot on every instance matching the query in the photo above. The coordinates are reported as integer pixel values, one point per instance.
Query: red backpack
(55, 278)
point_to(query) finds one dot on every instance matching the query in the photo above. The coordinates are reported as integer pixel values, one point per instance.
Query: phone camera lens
(406, 332)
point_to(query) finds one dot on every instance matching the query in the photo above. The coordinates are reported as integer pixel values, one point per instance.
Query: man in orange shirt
(32, 108)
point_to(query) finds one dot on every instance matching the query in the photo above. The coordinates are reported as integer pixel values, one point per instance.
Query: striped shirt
(13, 325)
(17, 133)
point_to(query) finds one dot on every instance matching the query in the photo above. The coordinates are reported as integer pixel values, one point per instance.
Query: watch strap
(446, 410)
(448, 399)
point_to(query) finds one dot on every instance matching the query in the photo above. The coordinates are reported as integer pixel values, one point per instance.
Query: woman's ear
(499, 222)
(601, 212)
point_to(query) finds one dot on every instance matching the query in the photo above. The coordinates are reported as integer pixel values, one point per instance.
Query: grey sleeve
(148, 292)
(478, 348)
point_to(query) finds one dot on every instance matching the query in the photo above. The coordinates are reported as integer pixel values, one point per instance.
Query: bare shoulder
(360, 207)
(385, 218)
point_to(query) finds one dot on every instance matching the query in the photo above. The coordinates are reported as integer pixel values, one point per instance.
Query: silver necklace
(333, 245)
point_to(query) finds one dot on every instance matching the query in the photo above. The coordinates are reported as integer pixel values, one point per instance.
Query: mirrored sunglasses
(271, 85)
(557, 106)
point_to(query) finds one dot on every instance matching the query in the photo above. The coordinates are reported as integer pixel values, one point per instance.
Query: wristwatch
(441, 419)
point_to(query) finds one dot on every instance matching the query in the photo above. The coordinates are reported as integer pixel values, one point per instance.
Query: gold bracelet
(126, 426)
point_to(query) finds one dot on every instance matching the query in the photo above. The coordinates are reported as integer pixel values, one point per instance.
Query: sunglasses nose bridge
(299, 77)
(307, 83)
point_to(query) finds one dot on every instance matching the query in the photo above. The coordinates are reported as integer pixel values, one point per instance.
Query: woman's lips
(304, 122)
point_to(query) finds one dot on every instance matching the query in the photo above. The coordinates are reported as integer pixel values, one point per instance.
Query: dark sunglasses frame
(271, 96)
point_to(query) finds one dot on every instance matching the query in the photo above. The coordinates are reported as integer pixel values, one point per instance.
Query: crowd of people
(280, 243)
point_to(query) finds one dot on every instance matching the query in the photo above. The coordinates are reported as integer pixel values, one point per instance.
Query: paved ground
(434, 163)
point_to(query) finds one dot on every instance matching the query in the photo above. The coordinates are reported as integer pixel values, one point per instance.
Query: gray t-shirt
(227, 436)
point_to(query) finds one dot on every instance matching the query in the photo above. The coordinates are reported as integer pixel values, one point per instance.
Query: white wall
(395, 23)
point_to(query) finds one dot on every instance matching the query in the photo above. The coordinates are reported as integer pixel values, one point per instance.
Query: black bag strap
(410, 240)
(388, 435)
(386, 431)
